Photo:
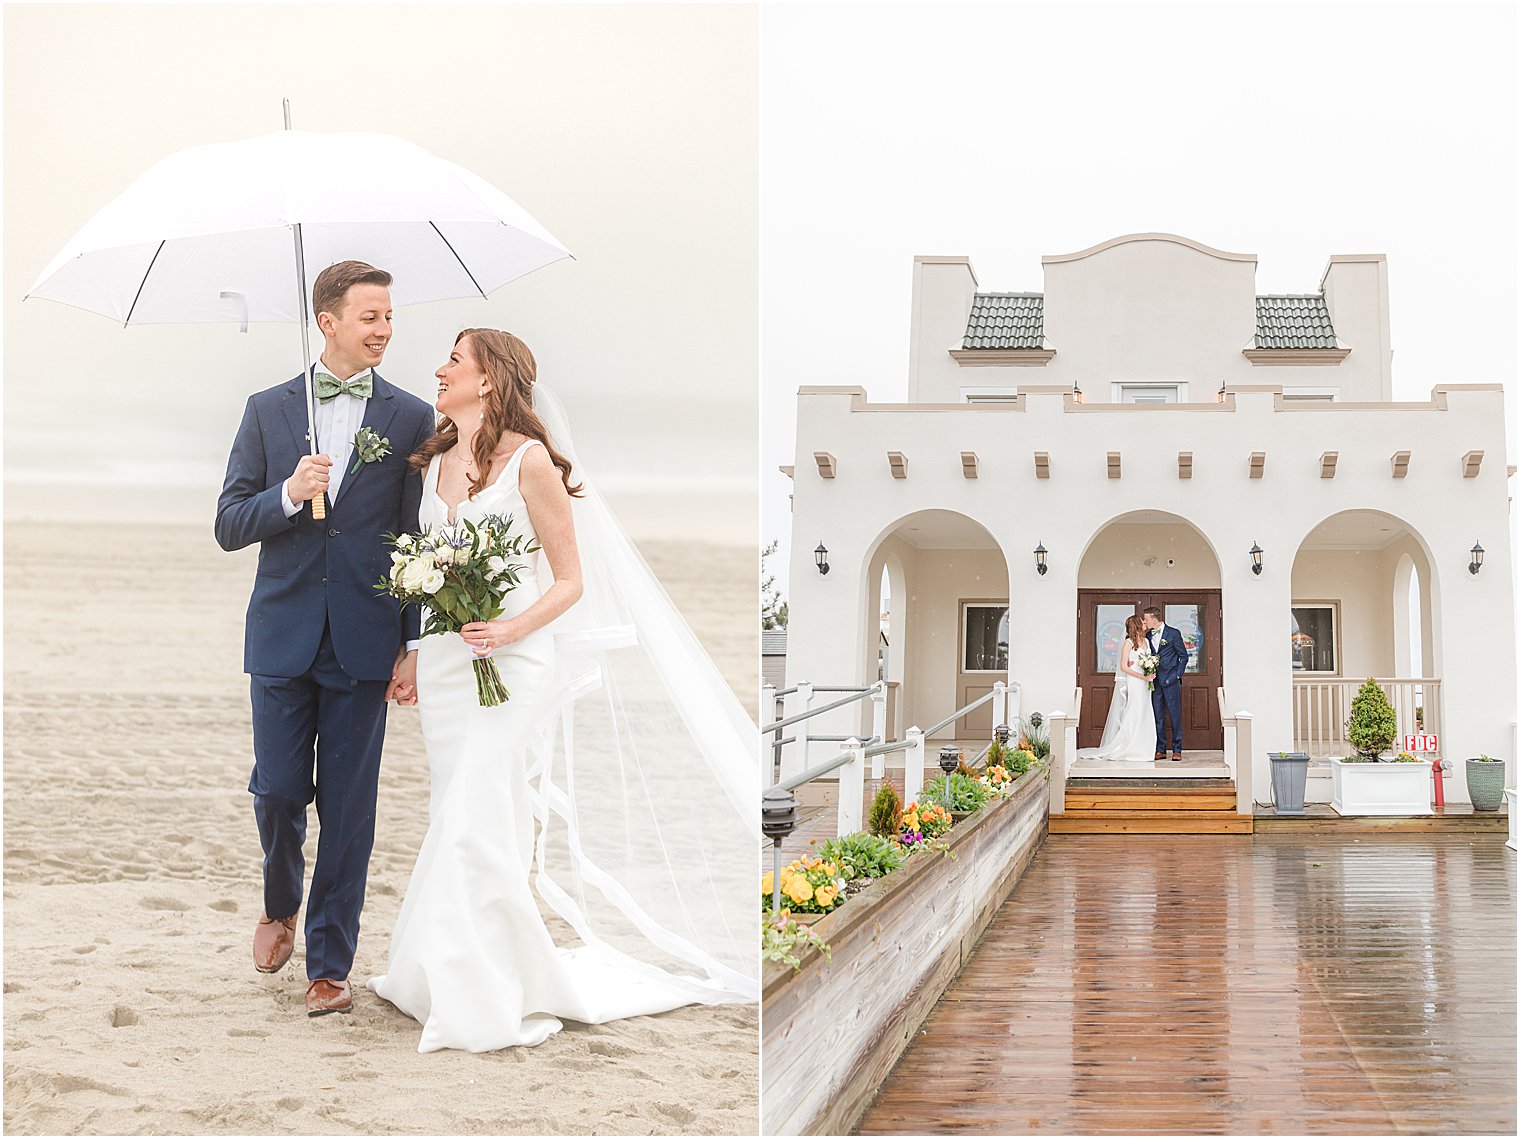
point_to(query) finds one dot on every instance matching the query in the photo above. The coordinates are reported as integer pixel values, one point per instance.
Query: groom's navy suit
(1166, 697)
(320, 645)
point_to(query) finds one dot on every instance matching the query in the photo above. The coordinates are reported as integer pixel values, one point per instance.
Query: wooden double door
(1100, 629)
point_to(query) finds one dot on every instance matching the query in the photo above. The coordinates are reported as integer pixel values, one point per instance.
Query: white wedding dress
(472, 957)
(1130, 734)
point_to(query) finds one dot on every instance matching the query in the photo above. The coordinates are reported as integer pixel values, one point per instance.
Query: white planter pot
(1380, 788)
(1509, 799)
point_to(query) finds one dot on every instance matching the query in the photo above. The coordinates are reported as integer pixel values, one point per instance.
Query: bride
(589, 841)
(1130, 733)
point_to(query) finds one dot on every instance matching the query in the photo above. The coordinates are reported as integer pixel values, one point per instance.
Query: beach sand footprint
(161, 902)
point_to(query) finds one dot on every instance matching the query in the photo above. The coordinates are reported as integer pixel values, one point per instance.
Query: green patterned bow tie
(328, 387)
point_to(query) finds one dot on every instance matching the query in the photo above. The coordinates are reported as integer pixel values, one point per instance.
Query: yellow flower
(830, 869)
(767, 883)
(824, 895)
(910, 820)
(798, 889)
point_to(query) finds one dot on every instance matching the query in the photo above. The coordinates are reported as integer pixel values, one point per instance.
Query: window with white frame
(1149, 393)
(984, 629)
(1316, 629)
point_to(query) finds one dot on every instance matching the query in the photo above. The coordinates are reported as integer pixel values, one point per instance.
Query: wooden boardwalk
(1291, 984)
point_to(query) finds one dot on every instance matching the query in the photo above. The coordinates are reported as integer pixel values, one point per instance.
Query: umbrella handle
(319, 507)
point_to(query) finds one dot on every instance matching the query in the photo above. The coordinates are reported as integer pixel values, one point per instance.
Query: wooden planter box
(1380, 788)
(832, 1030)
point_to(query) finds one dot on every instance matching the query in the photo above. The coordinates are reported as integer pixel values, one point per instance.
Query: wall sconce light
(1076, 393)
(1220, 398)
(1039, 559)
(1477, 559)
(1255, 559)
(821, 556)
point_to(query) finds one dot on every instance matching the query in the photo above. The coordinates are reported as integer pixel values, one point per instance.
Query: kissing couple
(472, 956)
(1144, 701)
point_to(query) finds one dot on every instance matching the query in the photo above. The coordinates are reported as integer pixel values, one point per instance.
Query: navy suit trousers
(1167, 698)
(318, 736)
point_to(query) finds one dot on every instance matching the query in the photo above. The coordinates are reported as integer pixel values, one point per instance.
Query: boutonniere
(1162, 641)
(368, 448)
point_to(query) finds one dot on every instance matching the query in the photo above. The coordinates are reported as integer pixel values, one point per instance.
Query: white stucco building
(1147, 418)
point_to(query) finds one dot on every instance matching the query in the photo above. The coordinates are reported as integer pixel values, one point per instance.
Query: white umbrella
(232, 232)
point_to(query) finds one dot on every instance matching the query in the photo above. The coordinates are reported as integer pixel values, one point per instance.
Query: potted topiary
(1485, 782)
(1362, 785)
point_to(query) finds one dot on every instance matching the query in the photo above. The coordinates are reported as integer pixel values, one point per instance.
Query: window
(1315, 628)
(1149, 393)
(986, 638)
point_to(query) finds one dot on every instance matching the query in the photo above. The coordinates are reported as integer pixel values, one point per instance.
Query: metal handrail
(957, 715)
(800, 716)
(878, 749)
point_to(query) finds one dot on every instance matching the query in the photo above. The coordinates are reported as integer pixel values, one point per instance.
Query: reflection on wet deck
(1291, 984)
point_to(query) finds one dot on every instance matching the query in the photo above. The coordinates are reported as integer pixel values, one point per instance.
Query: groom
(324, 649)
(1166, 694)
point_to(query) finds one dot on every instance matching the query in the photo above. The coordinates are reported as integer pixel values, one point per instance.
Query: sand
(131, 884)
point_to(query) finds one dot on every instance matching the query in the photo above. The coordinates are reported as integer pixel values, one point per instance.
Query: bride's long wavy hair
(1134, 630)
(508, 406)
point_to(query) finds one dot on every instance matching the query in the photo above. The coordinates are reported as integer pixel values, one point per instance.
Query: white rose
(445, 555)
(432, 582)
(398, 559)
(498, 567)
(415, 572)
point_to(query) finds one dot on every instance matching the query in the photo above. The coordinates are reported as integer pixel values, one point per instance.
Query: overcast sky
(629, 131)
(1012, 131)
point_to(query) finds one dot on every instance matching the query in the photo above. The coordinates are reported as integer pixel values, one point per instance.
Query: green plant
(862, 855)
(997, 755)
(1372, 725)
(1485, 759)
(1034, 737)
(966, 793)
(779, 941)
(885, 815)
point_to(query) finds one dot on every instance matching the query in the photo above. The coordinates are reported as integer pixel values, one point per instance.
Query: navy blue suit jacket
(315, 573)
(1172, 657)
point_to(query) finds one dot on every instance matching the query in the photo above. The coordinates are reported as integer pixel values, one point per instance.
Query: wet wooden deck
(1291, 984)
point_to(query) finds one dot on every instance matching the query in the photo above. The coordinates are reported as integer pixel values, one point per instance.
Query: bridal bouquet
(459, 574)
(1149, 664)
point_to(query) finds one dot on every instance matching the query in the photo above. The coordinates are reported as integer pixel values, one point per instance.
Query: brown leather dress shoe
(273, 939)
(324, 996)
(1176, 757)
(1161, 755)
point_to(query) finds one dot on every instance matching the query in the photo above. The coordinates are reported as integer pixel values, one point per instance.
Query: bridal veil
(644, 770)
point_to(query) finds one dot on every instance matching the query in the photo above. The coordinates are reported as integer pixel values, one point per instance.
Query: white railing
(851, 763)
(1063, 750)
(1322, 705)
(1237, 752)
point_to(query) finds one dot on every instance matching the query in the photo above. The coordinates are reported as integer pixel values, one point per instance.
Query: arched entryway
(945, 620)
(1364, 605)
(1140, 559)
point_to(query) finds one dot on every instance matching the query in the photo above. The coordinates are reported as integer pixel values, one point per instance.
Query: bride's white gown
(1130, 733)
(470, 956)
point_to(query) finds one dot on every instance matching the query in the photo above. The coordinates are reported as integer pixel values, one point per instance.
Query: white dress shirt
(337, 422)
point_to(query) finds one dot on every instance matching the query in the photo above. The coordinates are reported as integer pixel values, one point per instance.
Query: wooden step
(1151, 822)
(1132, 799)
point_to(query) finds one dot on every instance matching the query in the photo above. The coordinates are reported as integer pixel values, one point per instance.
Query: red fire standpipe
(1435, 770)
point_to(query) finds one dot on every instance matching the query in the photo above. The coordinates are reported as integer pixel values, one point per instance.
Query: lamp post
(949, 760)
(778, 818)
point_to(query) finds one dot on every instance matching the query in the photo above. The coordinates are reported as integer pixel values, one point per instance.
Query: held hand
(484, 637)
(310, 477)
(403, 685)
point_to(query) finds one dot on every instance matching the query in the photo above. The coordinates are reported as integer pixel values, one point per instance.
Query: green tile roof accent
(1006, 320)
(1017, 320)
(1293, 322)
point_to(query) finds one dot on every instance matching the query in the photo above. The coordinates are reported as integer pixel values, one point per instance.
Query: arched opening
(1362, 607)
(938, 596)
(1138, 560)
